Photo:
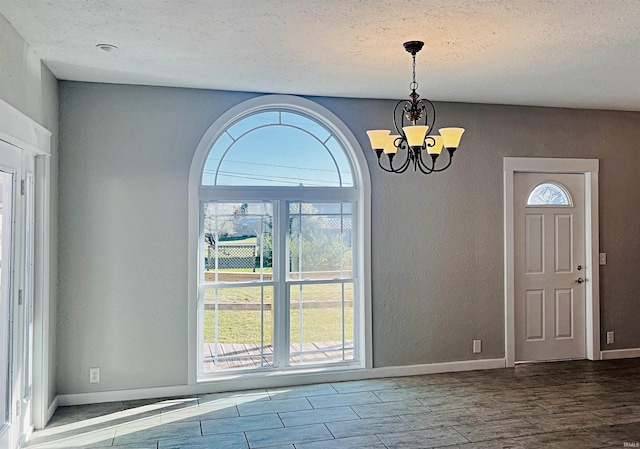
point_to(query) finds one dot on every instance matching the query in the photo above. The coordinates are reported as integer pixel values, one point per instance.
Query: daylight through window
(278, 275)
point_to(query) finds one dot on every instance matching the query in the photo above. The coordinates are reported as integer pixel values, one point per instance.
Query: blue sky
(277, 149)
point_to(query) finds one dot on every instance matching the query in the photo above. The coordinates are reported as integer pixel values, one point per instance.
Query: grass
(243, 326)
(310, 292)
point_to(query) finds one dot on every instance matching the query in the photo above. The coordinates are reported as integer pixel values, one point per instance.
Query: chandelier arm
(402, 169)
(385, 169)
(395, 115)
(446, 166)
(424, 168)
(433, 117)
(405, 165)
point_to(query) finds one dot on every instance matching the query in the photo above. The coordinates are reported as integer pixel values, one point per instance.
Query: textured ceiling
(567, 53)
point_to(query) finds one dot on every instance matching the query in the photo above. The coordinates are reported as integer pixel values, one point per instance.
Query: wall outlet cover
(94, 375)
(477, 346)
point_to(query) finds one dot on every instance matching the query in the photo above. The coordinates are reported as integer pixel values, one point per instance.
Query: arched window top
(549, 194)
(277, 147)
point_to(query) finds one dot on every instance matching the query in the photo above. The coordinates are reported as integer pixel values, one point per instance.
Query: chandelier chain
(414, 85)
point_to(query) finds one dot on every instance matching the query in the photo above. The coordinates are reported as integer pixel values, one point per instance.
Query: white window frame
(361, 194)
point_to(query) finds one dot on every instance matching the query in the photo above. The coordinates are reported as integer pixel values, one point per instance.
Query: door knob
(579, 280)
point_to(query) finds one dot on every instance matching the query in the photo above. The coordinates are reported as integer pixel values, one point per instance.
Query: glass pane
(320, 241)
(340, 157)
(238, 328)
(238, 240)
(213, 160)
(254, 121)
(321, 323)
(277, 149)
(307, 124)
(278, 156)
(549, 194)
(6, 219)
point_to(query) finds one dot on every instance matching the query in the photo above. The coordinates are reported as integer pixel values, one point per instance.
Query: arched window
(282, 202)
(549, 194)
(278, 148)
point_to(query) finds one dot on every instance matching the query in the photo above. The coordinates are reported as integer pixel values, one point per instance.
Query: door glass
(6, 212)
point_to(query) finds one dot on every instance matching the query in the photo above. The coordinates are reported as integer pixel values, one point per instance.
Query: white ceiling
(567, 53)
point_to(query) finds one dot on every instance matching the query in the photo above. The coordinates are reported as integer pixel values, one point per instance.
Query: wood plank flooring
(563, 405)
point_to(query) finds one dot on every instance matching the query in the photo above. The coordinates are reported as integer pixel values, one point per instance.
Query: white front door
(549, 238)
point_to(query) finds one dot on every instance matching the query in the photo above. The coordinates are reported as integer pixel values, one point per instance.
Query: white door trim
(29, 136)
(588, 167)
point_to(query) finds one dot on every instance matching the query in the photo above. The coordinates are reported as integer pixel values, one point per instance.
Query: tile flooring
(576, 404)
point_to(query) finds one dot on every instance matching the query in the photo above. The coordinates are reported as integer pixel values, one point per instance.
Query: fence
(239, 255)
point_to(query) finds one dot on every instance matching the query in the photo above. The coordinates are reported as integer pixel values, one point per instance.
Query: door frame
(589, 168)
(21, 131)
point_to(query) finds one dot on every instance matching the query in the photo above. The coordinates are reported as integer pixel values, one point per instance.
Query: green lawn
(310, 292)
(243, 326)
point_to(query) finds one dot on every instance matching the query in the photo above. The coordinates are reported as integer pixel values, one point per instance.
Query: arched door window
(281, 217)
(549, 194)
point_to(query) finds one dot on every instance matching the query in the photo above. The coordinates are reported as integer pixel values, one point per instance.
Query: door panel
(534, 247)
(564, 243)
(564, 313)
(535, 315)
(549, 240)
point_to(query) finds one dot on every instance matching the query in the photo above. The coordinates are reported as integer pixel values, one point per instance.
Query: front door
(549, 237)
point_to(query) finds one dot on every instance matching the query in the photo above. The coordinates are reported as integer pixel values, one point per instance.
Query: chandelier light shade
(414, 124)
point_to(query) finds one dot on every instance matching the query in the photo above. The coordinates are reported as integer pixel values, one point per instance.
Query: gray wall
(437, 240)
(28, 85)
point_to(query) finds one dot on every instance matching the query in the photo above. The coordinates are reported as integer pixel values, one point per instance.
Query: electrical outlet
(477, 346)
(94, 375)
(610, 338)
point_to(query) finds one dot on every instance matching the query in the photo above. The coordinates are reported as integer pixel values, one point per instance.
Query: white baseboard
(276, 381)
(434, 368)
(52, 408)
(620, 354)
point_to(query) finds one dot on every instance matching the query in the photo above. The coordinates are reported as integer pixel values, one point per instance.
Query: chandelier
(414, 124)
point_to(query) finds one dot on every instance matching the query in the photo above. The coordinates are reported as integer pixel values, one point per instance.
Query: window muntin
(549, 194)
(277, 148)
